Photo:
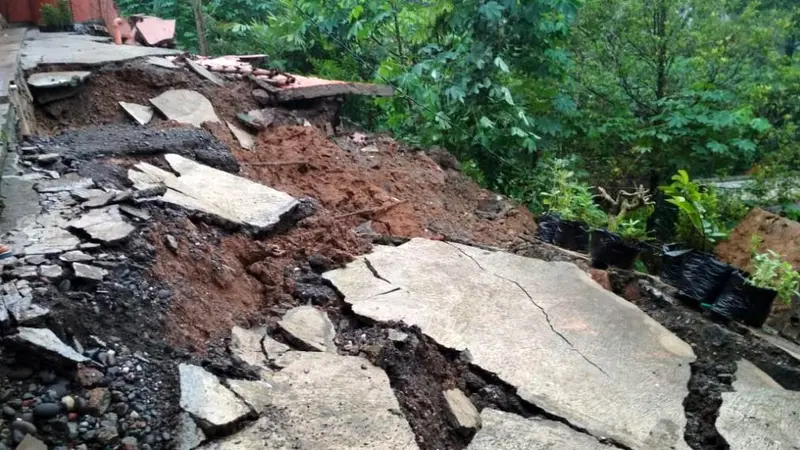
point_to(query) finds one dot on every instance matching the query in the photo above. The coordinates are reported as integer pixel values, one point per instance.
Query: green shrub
(698, 225)
(771, 271)
(571, 199)
(58, 15)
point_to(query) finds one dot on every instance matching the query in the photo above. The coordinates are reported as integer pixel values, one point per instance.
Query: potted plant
(750, 299)
(620, 244)
(571, 212)
(695, 272)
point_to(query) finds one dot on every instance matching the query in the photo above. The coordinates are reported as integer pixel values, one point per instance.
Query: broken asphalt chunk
(310, 328)
(185, 106)
(203, 396)
(106, 225)
(44, 342)
(89, 272)
(140, 113)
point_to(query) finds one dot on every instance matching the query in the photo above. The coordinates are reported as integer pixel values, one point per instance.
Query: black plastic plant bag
(572, 235)
(744, 302)
(547, 225)
(699, 276)
(610, 250)
(672, 265)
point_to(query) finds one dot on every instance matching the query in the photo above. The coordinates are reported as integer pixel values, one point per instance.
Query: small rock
(36, 260)
(89, 376)
(397, 336)
(108, 433)
(99, 400)
(262, 97)
(9, 412)
(462, 412)
(45, 341)
(51, 272)
(87, 272)
(130, 443)
(68, 402)
(46, 411)
(24, 426)
(309, 327)
(48, 158)
(31, 443)
(171, 242)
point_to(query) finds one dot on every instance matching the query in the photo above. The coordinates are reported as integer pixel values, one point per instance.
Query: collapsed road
(183, 278)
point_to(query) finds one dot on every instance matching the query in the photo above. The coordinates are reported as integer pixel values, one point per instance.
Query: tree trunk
(199, 22)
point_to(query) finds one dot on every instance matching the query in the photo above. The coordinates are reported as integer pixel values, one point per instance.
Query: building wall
(82, 10)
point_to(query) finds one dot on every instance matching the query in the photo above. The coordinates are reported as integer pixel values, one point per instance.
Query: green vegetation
(629, 91)
(771, 271)
(58, 15)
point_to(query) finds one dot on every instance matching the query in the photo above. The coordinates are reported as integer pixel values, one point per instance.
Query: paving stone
(246, 140)
(87, 194)
(325, 401)
(228, 197)
(46, 343)
(87, 272)
(105, 224)
(142, 114)
(45, 80)
(76, 256)
(601, 363)
(463, 412)
(185, 106)
(204, 397)
(310, 328)
(506, 431)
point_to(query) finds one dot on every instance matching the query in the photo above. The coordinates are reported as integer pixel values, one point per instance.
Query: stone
(69, 402)
(142, 114)
(588, 344)
(203, 72)
(87, 272)
(31, 443)
(46, 343)
(36, 260)
(204, 397)
(88, 376)
(326, 401)
(257, 394)
(602, 278)
(68, 182)
(225, 196)
(75, 256)
(462, 412)
(98, 201)
(48, 158)
(105, 224)
(135, 212)
(310, 328)
(262, 97)
(171, 242)
(107, 433)
(273, 348)
(161, 62)
(99, 400)
(506, 431)
(246, 344)
(185, 106)
(246, 140)
(46, 80)
(129, 443)
(51, 240)
(87, 194)
(24, 426)
(760, 418)
(50, 272)
(397, 336)
(189, 435)
(25, 272)
(44, 411)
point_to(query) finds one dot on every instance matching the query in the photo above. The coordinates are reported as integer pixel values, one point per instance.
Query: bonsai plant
(620, 244)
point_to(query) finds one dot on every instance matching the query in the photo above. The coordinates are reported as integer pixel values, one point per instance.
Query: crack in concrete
(374, 271)
(538, 306)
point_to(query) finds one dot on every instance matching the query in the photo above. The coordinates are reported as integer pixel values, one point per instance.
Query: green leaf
(492, 11)
(717, 147)
(507, 95)
(760, 125)
(676, 120)
(485, 122)
(498, 61)
(745, 145)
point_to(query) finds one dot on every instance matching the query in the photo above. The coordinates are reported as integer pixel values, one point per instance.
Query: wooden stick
(371, 211)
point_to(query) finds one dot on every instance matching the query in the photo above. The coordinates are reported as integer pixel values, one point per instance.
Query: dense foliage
(627, 91)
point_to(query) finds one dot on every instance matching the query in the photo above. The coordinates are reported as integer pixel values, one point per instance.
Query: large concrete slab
(505, 431)
(324, 401)
(763, 419)
(566, 344)
(66, 48)
(211, 191)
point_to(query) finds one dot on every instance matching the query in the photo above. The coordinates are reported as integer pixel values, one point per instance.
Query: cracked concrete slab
(749, 376)
(324, 401)
(229, 197)
(566, 344)
(763, 419)
(505, 431)
(72, 49)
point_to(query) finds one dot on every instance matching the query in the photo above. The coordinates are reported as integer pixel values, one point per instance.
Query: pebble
(130, 443)
(18, 435)
(9, 412)
(24, 426)
(171, 242)
(89, 376)
(46, 411)
(99, 400)
(69, 402)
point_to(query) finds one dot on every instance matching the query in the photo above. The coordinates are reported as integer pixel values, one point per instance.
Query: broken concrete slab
(189, 436)
(75, 256)
(154, 31)
(257, 394)
(246, 344)
(246, 140)
(214, 192)
(135, 212)
(325, 401)
(749, 376)
(51, 272)
(307, 88)
(105, 225)
(46, 343)
(185, 106)
(68, 182)
(140, 113)
(45, 80)
(506, 431)
(49, 241)
(602, 364)
(310, 328)
(257, 119)
(462, 412)
(203, 72)
(89, 272)
(86, 194)
(162, 62)
(99, 201)
(273, 348)
(207, 400)
(764, 419)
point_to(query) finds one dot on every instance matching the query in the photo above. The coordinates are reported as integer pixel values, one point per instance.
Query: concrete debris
(257, 394)
(203, 72)
(509, 310)
(140, 113)
(75, 256)
(307, 88)
(228, 197)
(506, 431)
(185, 106)
(46, 343)
(748, 376)
(50, 241)
(99, 201)
(310, 328)
(207, 400)
(246, 140)
(105, 225)
(764, 419)
(135, 212)
(46, 80)
(166, 63)
(154, 31)
(462, 412)
(68, 182)
(48, 158)
(397, 336)
(272, 348)
(87, 194)
(246, 344)
(189, 435)
(51, 272)
(87, 272)
(320, 399)
(257, 119)
(24, 272)
(262, 97)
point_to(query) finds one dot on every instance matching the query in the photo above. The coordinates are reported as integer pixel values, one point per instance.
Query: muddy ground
(179, 302)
